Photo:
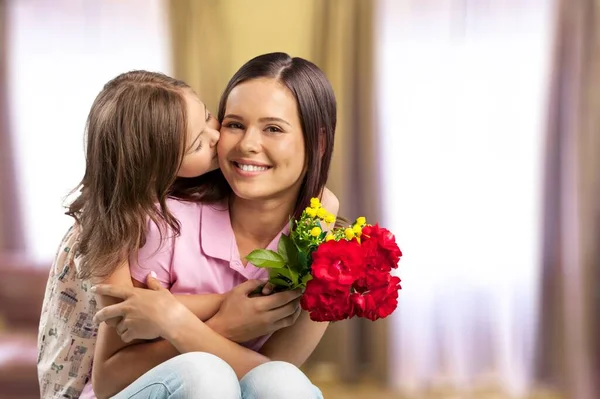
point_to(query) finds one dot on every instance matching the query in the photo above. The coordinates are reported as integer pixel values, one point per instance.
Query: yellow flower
(315, 203)
(349, 233)
(361, 221)
(311, 212)
(329, 218)
(315, 231)
(322, 213)
(329, 237)
(357, 230)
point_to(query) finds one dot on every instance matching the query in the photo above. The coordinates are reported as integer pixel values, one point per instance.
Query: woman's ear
(322, 142)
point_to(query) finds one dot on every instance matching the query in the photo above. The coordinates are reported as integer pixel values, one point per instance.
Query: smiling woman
(261, 151)
(268, 113)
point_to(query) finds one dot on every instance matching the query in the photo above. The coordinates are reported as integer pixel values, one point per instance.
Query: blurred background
(470, 128)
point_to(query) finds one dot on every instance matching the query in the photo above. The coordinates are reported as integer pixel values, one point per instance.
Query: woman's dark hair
(318, 117)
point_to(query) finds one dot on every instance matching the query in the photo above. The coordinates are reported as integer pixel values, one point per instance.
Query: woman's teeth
(252, 168)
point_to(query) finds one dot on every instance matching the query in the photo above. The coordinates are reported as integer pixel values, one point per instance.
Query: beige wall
(257, 31)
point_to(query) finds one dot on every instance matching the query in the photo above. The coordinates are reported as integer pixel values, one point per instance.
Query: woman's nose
(250, 142)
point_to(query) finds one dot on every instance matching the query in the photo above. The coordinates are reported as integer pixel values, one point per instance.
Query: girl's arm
(296, 343)
(117, 364)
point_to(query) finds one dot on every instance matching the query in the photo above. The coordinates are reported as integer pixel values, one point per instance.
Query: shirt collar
(217, 237)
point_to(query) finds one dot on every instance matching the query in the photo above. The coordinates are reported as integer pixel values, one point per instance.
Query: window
(61, 54)
(462, 96)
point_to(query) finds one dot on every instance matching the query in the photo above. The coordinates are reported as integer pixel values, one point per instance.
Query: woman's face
(261, 151)
(200, 154)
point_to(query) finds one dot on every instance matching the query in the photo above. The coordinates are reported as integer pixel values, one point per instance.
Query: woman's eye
(274, 129)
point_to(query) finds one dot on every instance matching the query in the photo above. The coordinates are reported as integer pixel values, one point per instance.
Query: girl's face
(200, 153)
(261, 151)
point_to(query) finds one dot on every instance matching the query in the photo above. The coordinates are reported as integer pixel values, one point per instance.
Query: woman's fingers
(115, 291)
(109, 312)
(280, 299)
(284, 311)
(268, 289)
(113, 322)
(289, 320)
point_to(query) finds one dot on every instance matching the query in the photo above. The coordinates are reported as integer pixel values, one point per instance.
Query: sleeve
(155, 256)
(67, 333)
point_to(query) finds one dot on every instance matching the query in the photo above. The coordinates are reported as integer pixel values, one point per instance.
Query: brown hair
(135, 134)
(318, 116)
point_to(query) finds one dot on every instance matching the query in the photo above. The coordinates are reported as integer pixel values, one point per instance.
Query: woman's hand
(144, 313)
(242, 317)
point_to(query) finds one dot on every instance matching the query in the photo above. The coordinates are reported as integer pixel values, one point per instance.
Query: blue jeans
(201, 375)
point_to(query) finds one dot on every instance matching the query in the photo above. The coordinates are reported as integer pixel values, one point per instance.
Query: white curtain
(61, 54)
(462, 94)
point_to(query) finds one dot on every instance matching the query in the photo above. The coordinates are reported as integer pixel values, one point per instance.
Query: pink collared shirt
(203, 259)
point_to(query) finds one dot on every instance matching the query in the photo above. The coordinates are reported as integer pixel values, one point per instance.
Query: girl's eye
(274, 129)
(199, 146)
(234, 125)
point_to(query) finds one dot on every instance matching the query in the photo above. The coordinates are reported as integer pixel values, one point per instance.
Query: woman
(278, 118)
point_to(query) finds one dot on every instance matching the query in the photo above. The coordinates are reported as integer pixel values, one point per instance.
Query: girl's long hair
(135, 140)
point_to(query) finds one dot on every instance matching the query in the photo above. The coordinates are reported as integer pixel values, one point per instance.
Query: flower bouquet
(345, 272)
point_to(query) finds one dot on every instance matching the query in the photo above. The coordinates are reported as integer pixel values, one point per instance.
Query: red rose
(371, 278)
(353, 279)
(378, 302)
(338, 262)
(381, 251)
(327, 302)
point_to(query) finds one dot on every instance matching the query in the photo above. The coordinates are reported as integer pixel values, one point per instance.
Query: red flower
(371, 278)
(327, 302)
(353, 279)
(338, 262)
(378, 302)
(381, 251)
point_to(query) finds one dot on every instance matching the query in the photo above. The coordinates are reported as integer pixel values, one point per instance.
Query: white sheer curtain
(61, 54)
(462, 94)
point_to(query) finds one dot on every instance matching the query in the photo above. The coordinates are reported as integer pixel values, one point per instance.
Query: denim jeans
(200, 375)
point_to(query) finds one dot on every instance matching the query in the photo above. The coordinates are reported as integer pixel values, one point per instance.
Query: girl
(278, 119)
(145, 130)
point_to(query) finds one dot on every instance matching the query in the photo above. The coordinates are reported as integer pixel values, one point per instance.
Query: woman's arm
(155, 312)
(296, 343)
(111, 372)
(117, 363)
(148, 313)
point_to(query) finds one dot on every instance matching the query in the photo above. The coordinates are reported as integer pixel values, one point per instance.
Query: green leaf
(294, 276)
(285, 272)
(303, 260)
(278, 282)
(265, 258)
(306, 278)
(275, 273)
(288, 250)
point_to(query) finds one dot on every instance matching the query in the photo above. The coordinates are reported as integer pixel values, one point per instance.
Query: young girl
(145, 131)
(278, 119)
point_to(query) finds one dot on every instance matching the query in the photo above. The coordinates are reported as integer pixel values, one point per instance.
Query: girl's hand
(144, 313)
